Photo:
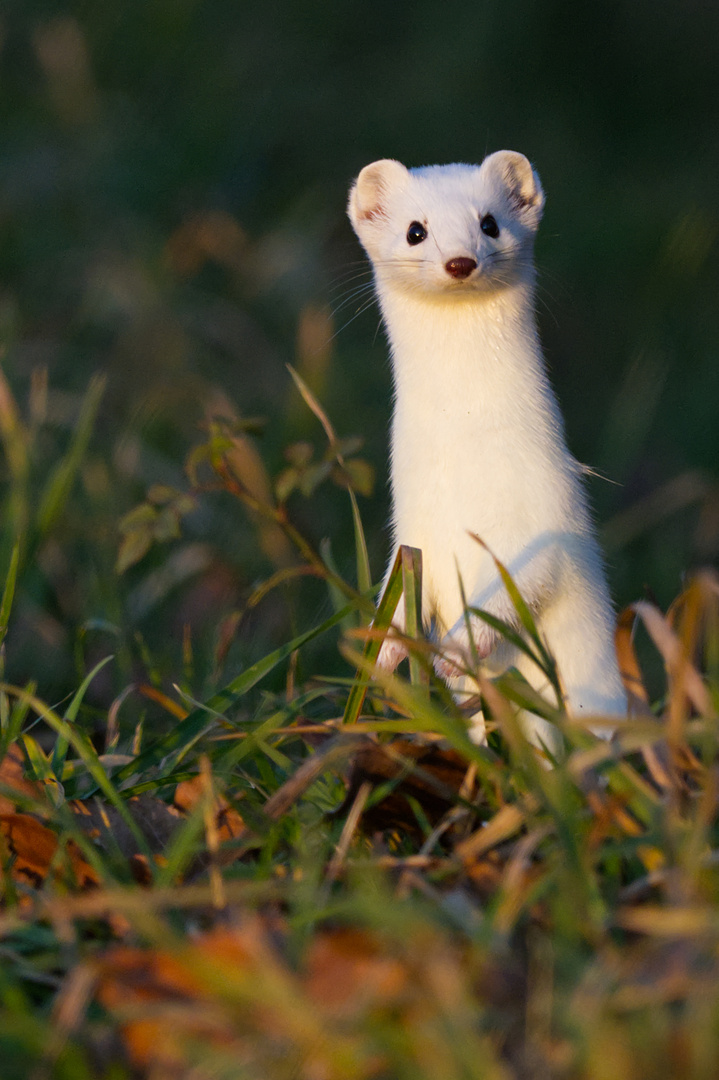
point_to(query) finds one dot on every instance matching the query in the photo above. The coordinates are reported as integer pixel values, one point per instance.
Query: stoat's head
(449, 229)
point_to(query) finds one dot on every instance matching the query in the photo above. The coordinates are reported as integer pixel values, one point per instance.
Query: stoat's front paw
(391, 653)
(457, 656)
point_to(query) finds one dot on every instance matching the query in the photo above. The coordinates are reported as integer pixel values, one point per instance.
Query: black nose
(460, 268)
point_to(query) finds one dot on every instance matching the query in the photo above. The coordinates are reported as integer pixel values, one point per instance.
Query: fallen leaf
(33, 848)
(229, 823)
(347, 970)
(12, 769)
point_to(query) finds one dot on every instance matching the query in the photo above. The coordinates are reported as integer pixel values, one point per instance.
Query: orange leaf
(34, 847)
(188, 793)
(11, 775)
(347, 969)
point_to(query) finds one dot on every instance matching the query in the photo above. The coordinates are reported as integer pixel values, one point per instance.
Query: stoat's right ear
(520, 183)
(368, 194)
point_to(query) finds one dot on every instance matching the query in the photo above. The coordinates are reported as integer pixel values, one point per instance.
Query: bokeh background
(173, 175)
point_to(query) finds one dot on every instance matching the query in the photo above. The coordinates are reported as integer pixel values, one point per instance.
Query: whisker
(377, 330)
(359, 281)
(363, 307)
(353, 295)
(351, 275)
(543, 303)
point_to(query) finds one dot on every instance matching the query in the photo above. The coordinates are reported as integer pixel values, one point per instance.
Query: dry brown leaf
(166, 1000)
(669, 922)
(627, 657)
(506, 822)
(231, 990)
(610, 817)
(677, 663)
(347, 970)
(486, 874)
(33, 848)
(187, 795)
(12, 770)
(130, 982)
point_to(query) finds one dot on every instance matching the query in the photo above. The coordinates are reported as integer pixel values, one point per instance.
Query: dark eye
(489, 226)
(416, 233)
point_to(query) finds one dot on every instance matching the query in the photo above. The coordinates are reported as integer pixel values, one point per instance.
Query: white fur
(477, 440)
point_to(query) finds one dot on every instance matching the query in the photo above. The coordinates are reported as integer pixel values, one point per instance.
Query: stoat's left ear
(368, 195)
(520, 183)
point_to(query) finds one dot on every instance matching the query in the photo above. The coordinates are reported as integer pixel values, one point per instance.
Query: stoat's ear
(520, 183)
(368, 195)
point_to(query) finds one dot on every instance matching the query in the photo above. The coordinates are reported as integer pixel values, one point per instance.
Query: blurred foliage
(271, 891)
(187, 832)
(172, 187)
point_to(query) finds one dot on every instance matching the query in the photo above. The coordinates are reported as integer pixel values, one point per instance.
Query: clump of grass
(329, 879)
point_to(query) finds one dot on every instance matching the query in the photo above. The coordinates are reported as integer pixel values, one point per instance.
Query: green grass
(354, 889)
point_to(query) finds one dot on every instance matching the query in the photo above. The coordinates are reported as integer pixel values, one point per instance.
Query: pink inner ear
(516, 195)
(373, 212)
(376, 208)
(522, 201)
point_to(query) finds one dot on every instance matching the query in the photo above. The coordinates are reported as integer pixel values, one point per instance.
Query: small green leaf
(141, 516)
(357, 474)
(312, 477)
(299, 454)
(160, 494)
(134, 547)
(166, 525)
(88, 755)
(346, 447)
(285, 484)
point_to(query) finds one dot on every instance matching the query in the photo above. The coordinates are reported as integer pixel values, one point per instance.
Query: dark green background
(120, 123)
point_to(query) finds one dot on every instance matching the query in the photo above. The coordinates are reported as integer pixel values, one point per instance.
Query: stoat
(477, 442)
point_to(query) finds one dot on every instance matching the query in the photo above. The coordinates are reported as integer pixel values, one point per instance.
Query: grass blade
(525, 617)
(58, 487)
(200, 720)
(9, 592)
(412, 589)
(364, 578)
(61, 746)
(88, 755)
(385, 610)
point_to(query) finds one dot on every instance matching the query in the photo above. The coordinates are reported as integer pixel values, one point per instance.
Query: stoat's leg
(457, 653)
(392, 653)
(536, 582)
(478, 729)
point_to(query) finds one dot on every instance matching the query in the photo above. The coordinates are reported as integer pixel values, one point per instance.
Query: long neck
(476, 359)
